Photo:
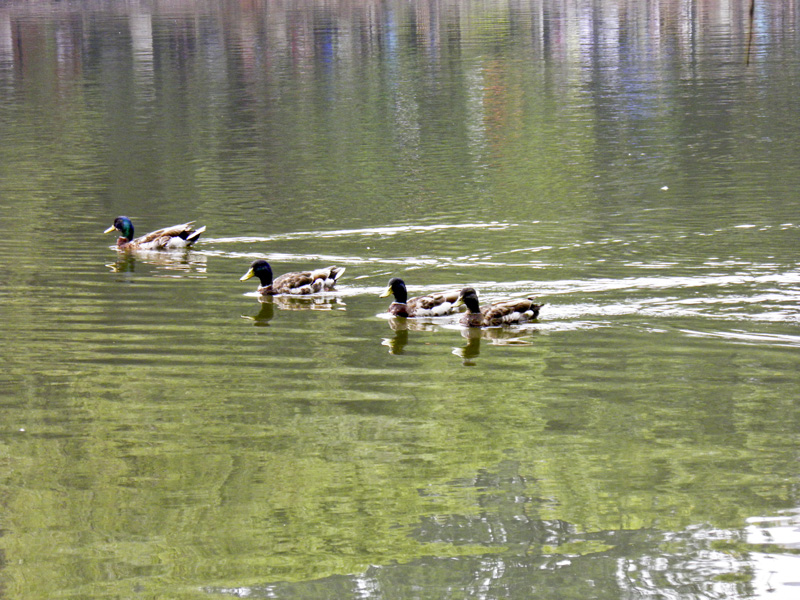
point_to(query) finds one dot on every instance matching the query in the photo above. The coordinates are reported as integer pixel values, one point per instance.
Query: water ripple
(368, 231)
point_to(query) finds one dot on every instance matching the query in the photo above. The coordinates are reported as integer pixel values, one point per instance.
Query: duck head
(397, 287)
(261, 269)
(469, 298)
(124, 226)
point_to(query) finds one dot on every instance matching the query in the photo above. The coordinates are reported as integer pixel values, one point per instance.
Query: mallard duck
(169, 238)
(498, 313)
(432, 305)
(305, 282)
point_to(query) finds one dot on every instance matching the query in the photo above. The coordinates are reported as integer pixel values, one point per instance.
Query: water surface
(168, 434)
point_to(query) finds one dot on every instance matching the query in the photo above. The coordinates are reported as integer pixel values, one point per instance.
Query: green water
(165, 434)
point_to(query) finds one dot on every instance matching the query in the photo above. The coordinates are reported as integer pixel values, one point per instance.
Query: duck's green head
(397, 287)
(469, 297)
(261, 269)
(124, 226)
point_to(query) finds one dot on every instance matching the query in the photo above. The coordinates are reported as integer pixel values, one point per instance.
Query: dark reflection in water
(541, 555)
(268, 304)
(184, 261)
(313, 302)
(398, 343)
(513, 335)
(473, 347)
(125, 263)
(265, 314)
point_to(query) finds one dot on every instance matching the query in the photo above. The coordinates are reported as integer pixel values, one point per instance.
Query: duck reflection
(497, 336)
(177, 260)
(401, 326)
(268, 305)
(126, 263)
(472, 348)
(286, 302)
(265, 314)
(398, 343)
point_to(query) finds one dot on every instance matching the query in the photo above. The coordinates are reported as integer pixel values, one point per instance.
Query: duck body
(168, 238)
(505, 312)
(431, 305)
(297, 283)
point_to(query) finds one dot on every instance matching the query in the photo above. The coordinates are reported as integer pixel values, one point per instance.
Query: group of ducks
(504, 312)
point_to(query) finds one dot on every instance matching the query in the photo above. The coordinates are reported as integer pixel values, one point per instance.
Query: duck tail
(337, 272)
(195, 235)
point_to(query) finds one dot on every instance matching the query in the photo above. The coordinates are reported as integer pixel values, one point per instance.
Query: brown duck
(168, 238)
(297, 283)
(504, 312)
(432, 305)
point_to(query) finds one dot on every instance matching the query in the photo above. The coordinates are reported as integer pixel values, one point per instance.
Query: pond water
(634, 165)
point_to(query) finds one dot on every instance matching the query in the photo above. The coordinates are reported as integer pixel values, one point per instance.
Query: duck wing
(177, 236)
(307, 282)
(433, 305)
(510, 311)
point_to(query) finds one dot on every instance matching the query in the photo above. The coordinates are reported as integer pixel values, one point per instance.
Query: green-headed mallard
(169, 238)
(498, 313)
(432, 305)
(304, 282)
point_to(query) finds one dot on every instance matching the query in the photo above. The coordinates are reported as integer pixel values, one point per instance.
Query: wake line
(369, 231)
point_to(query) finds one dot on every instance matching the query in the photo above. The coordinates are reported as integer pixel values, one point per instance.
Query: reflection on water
(268, 304)
(182, 261)
(401, 327)
(398, 342)
(265, 314)
(329, 301)
(513, 335)
(473, 347)
(509, 335)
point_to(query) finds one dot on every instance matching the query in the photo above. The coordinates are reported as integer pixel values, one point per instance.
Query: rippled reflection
(312, 302)
(265, 313)
(183, 261)
(512, 335)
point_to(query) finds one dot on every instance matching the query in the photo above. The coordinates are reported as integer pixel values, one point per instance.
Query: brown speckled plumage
(504, 312)
(168, 238)
(430, 305)
(297, 283)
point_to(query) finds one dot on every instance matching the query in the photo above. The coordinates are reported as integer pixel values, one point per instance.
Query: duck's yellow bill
(386, 293)
(110, 229)
(247, 275)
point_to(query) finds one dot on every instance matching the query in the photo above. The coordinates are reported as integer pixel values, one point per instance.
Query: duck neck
(399, 309)
(265, 277)
(473, 306)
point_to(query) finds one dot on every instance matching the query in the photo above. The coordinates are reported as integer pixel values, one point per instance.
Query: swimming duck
(498, 313)
(169, 238)
(432, 305)
(303, 282)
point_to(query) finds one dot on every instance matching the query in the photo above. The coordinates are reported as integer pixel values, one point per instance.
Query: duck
(504, 312)
(168, 238)
(432, 305)
(297, 283)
